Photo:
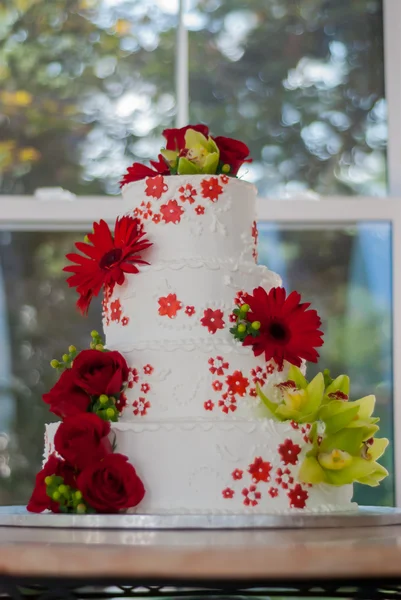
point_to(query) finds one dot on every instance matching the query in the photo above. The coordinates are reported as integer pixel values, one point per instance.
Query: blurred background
(86, 88)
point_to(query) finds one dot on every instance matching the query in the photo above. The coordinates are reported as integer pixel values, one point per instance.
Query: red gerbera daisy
(107, 258)
(288, 330)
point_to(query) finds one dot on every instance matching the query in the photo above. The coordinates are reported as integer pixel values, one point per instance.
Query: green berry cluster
(66, 360)
(105, 408)
(243, 327)
(69, 499)
(97, 341)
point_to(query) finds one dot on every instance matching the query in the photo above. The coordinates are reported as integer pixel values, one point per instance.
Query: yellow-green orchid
(200, 155)
(343, 458)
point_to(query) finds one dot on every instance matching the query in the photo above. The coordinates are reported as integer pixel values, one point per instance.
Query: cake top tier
(194, 218)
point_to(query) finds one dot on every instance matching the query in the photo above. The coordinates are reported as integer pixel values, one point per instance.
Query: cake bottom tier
(220, 467)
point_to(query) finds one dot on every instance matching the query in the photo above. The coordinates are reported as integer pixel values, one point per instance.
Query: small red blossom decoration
(284, 478)
(200, 210)
(156, 186)
(106, 258)
(289, 452)
(273, 492)
(237, 474)
(228, 404)
(228, 493)
(141, 407)
(148, 369)
(208, 405)
(298, 497)
(189, 311)
(252, 495)
(237, 383)
(169, 306)
(260, 470)
(217, 385)
(213, 320)
(171, 212)
(211, 188)
(280, 327)
(218, 365)
(187, 193)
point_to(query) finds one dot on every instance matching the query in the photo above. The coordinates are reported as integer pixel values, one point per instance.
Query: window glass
(345, 272)
(86, 87)
(301, 81)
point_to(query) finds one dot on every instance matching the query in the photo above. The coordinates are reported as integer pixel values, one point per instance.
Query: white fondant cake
(192, 424)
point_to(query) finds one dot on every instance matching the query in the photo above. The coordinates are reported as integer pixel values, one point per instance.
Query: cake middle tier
(190, 300)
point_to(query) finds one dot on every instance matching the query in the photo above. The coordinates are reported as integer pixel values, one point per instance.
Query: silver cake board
(364, 516)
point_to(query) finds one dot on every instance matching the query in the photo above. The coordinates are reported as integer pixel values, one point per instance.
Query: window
(302, 82)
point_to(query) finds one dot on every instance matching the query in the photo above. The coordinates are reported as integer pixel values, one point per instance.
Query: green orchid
(343, 458)
(300, 401)
(201, 155)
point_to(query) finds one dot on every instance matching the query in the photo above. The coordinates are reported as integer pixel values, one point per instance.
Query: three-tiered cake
(215, 414)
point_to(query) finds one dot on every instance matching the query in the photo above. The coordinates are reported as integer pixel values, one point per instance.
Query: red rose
(232, 152)
(82, 440)
(111, 485)
(66, 398)
(99, 372)
(175, 138)
(138, 171)
(39, 500)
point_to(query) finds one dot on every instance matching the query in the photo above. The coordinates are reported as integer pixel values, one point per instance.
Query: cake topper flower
(280, 327)
(106, 258)
(192, 150)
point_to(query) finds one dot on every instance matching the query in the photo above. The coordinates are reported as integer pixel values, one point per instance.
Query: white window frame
(27, 213)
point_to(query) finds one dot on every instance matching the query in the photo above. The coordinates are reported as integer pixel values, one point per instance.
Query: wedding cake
(197, 401)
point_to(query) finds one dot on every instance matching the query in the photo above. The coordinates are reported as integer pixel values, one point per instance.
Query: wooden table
(216, 562)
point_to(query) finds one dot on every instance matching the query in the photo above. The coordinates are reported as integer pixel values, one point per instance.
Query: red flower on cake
(237, 383)
(169, 306)
(115, 310)
(156, 186)
(298, 497)
(232, 152)
(138, 171)
(145, 388)
(239, 297)
(273, 492)
(270, 369)
(237, 474)
(289, 452)
(294, 425)
(213, 320)
(133, 377)
(252, 392)
(124, 321)
(284, 478)
(200, 210)
(39, 500)
(111, 485)
(156, 218)
(208, 405)
(260, 470)
(288, 330)
(224, 179)
(121, 403)
(137, 212)
(148, 369)
(141, 407)
(107, 258)
(232, 318)
(211, 188)
(175, 137)
(99, 372)
(82, 439)
(218, 365)
(228, 493)
(228, 404)
(254, 232)
(217, 385)
(188, 193)
(171, 212)
(251, 495)
(305, 430)
(147, 209)
(190, 310)
(258, 375)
